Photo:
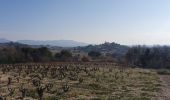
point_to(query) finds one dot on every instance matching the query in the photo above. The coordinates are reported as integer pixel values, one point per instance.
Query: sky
(128, 22)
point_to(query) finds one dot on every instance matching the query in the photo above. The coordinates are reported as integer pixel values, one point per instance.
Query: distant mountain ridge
(60, 43)
(111, 48)
(2, 40)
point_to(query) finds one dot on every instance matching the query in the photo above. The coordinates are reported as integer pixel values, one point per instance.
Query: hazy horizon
(128, 22)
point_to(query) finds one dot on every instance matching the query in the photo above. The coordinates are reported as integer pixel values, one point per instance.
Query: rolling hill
(59, 43)
(110, 48)
(2, 40)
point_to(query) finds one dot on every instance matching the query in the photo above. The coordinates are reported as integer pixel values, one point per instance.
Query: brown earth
(164, 94)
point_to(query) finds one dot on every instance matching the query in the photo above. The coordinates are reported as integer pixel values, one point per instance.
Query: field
(77, 81)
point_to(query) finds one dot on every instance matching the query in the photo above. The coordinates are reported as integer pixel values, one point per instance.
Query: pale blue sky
(92, 21)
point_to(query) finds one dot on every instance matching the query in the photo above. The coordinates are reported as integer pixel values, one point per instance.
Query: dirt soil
(164, 94)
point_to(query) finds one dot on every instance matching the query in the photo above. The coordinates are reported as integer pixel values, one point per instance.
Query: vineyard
(76, 81)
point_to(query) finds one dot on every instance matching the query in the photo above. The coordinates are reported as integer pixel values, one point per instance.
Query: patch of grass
(150, 89)
(32, 93)
(52, 98)
(163, 72)
(139, 98)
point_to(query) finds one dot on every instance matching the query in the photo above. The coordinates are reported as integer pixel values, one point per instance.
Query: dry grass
(107, 82)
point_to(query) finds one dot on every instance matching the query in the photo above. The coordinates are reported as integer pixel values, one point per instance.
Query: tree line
(149, 57)
(17, 54)
(25, 54)
(141, 56)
